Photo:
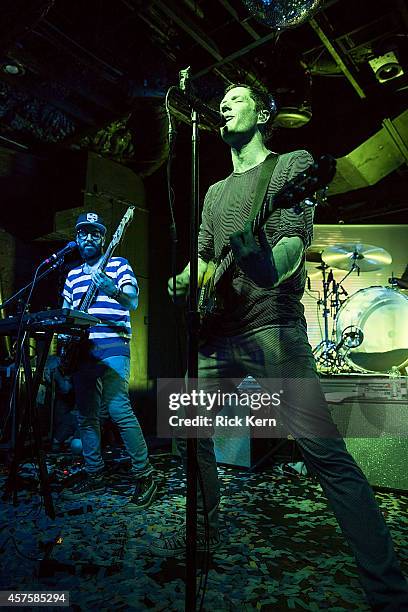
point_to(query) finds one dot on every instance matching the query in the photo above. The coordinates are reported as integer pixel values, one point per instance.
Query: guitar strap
(268, 167)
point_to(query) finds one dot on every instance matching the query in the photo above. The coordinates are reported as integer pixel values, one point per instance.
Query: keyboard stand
(26, 418)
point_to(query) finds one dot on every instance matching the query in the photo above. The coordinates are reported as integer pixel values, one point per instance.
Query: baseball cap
(91, 218)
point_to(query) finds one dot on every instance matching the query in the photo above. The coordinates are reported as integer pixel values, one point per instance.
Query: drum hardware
(356, 343)
(325, 352)
(399, 283)
(351, 337)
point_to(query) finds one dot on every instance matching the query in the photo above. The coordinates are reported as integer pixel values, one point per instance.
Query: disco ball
(282, 13)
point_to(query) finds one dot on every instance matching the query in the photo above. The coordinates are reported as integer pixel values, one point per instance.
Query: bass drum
(372, 329)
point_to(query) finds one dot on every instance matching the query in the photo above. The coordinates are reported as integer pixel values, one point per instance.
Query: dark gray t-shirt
(227, 206)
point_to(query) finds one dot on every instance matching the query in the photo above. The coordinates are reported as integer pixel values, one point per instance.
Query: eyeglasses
(94, 234)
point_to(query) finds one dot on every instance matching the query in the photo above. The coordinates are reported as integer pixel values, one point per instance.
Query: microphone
(206, 113)
(68, 248)
(181, 103)
(182, 100)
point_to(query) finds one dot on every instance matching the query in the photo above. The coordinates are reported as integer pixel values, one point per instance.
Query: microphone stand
(192, 372)
(184, 99)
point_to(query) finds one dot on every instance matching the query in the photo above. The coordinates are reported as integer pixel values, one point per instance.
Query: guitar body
(207, 301)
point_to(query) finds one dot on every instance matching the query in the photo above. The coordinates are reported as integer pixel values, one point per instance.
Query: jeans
(107, 381)
(283, 352)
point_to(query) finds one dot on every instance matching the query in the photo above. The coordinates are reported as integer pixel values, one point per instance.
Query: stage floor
(281, 550)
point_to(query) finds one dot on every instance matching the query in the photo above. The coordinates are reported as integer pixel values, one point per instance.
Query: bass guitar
(71, 345)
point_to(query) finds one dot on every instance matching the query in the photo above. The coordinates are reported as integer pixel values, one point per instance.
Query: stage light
(282, 13)
(13, 68)
(293, 116)
(386, 67)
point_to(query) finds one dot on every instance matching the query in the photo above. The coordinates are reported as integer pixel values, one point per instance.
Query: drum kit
(368, 331)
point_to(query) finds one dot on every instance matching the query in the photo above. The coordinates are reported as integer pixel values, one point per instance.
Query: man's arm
(287, 255)
(183, 279)
(127, 295)
(265, 266)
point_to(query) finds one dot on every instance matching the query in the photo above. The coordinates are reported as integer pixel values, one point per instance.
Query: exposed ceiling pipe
(242, 22)
(236, 54)
(18, 18)
(188, 26)
(334, 51)
(375, 158)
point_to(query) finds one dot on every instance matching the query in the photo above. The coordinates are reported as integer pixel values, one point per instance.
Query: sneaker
(144, 493)
(175, 545)
(91, 483)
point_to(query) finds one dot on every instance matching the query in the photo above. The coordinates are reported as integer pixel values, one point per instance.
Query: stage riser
(375, 431)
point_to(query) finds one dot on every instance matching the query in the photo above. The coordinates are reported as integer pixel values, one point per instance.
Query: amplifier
(248, 451)
(371, 413)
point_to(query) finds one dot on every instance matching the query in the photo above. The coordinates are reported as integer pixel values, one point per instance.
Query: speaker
(246, 450)
(371, 413)
(249, 452)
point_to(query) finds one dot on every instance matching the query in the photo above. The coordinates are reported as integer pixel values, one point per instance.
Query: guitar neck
(89, 296)
(93, 289)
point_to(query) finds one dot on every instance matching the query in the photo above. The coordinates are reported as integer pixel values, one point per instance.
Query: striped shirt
(112, 335)
(227, 207)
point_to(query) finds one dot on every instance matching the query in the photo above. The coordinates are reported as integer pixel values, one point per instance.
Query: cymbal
(366, 256)
(313, 272)
(314, 254)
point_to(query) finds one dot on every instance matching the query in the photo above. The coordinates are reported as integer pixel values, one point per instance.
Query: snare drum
(372, 329)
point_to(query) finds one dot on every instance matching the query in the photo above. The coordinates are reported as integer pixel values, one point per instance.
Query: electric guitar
(294, 195)
(71, 346)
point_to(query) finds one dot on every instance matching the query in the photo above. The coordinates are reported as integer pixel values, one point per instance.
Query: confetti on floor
(281, 547)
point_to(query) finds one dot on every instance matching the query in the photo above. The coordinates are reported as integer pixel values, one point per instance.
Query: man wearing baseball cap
(103, 368)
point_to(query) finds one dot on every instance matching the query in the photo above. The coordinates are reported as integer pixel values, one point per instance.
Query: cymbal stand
(323, 352)
(336, 356)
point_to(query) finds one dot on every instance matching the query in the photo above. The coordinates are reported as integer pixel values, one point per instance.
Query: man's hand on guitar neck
(183, 279)
(265, 266)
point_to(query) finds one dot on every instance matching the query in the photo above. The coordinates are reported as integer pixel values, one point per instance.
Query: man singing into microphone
(260, 329)
(102, 373)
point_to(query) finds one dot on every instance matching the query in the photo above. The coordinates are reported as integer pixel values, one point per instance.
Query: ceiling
(78, 76)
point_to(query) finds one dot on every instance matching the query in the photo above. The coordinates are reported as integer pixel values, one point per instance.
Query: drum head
(372, 328)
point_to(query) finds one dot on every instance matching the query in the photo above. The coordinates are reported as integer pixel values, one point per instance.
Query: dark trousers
(283, 353)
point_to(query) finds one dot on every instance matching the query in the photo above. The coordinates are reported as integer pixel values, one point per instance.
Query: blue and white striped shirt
(112, 335)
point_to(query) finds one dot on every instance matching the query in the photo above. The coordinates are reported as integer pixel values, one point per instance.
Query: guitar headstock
(316, 177)
(126, 219)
